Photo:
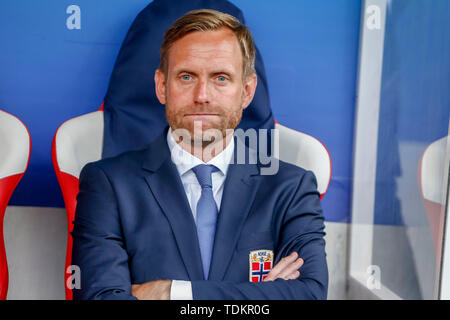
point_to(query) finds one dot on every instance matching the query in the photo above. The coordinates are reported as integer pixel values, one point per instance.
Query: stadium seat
(79, 141)
(305, 151)
(15, 147)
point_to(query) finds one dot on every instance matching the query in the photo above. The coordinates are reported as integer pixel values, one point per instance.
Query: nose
(202, 94)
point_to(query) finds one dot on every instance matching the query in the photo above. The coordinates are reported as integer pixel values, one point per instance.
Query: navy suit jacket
(133, 224)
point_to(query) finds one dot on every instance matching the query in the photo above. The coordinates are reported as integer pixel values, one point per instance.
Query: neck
(205, 150)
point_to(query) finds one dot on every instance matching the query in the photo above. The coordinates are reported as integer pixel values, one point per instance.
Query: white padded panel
(307, 152)
(432, 171)
(78, 142)
(14, 145)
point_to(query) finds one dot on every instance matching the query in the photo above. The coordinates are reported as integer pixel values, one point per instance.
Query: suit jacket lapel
(166, 186)
(238, 195)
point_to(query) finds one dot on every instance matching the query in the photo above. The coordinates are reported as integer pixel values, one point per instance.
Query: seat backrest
(430, 176)
(77, 142)
(305, 151)
(15, 146)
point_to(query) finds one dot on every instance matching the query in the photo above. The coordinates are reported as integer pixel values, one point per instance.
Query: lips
(202, 116)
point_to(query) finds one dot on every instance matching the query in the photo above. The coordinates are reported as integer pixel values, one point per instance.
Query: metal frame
(365, 156)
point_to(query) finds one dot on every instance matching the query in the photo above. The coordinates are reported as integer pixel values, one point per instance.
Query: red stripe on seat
(69, 188)
(7, 186)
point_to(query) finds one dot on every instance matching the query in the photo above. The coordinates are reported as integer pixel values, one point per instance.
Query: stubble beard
(196, 133)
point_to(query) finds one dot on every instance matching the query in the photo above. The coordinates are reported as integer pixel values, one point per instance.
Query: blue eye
(221, 78)
(186, 77)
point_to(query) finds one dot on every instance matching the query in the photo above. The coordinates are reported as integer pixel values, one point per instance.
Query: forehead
(206, 48)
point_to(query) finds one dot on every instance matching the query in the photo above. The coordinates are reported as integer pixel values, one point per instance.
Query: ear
(249, 89)
(160, 86)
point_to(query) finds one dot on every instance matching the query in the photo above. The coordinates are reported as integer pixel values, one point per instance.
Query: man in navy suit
(184, 218)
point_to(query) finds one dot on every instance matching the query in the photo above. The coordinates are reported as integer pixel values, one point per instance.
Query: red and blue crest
(260, 264)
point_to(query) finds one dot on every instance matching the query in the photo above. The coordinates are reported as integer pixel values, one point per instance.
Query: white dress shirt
(184, 162)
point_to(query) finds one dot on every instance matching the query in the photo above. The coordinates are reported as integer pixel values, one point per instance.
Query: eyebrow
(214, 72)
(184, 70)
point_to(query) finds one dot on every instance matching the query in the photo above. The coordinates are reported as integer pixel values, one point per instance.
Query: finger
(287, 276)
(289, 272)
(280, 266)
(273, 274)
(291, 268)
(293, 275)
(284, 262)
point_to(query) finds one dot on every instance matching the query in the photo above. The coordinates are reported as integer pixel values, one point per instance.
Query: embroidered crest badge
(260, 264)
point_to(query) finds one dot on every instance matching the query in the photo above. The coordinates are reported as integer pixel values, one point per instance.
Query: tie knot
(203, 174)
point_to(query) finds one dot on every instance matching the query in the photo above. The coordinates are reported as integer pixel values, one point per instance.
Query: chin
(192, 128)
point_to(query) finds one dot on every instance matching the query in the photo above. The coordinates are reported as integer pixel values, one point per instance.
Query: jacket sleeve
(98, 248)
(301, 229)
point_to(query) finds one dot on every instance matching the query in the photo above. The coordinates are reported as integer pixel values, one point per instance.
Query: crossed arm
(301, 235)
(287, 268)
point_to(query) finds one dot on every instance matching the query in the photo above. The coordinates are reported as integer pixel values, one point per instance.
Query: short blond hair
(209, 20)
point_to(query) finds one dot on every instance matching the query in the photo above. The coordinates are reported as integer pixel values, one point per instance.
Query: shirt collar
(185, 161)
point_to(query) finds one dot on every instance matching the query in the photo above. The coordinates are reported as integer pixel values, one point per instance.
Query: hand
(286, 268)
(152, 290)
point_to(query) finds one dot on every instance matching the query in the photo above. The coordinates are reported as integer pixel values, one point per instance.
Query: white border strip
(373, 18)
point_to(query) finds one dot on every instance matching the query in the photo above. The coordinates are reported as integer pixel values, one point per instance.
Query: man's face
(204, 82)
